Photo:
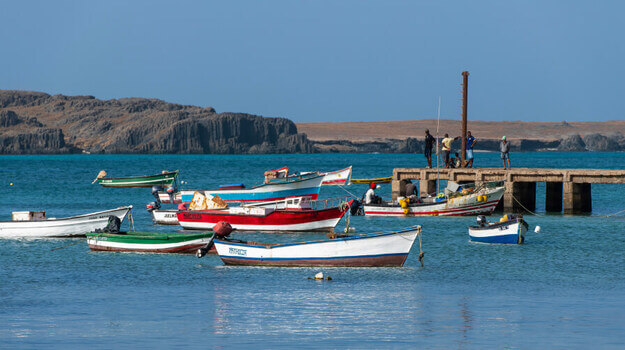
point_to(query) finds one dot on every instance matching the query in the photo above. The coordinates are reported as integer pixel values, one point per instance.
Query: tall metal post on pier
(465, 92)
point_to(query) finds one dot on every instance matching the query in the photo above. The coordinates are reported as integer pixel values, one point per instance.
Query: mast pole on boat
(438, 122)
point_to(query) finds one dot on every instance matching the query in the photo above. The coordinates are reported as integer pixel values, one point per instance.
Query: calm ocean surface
(563, 289)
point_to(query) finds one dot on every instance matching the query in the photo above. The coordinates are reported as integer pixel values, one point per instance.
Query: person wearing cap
(370, 196)
(429, 144)
(504, 147)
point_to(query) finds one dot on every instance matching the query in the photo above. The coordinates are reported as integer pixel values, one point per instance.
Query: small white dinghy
(31, 224)
(510, 229)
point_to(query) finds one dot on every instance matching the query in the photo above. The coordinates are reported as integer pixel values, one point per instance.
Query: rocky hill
(35, 122)
(407, 136)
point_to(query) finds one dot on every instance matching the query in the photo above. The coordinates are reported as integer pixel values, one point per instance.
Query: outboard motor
(222, 230)
(153, 206)
(170, 191)
(481, 220)
(155, 190)
(353, 208)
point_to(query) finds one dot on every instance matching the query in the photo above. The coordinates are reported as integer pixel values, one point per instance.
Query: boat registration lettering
(503, 228)
(237, 251)
(192, 216)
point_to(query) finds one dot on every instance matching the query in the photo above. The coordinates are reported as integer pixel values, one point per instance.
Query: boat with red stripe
(482, 200)
(305, 215)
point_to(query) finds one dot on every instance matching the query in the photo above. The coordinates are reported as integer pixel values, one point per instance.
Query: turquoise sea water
(563, 289)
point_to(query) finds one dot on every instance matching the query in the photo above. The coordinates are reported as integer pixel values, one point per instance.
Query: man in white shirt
(370, 194)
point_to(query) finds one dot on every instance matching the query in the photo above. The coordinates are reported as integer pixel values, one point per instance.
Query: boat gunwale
(499, 224)
(140, 176)
(343, 238)
(69, 217)
(157, 236)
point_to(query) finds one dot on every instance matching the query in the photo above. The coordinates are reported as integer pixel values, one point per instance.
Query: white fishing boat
(510, 229)
(482, 200)
(34, 224)
(338, 177)
(165, 216)
(367, 250)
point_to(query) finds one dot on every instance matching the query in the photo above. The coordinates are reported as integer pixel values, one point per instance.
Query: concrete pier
(568, 190)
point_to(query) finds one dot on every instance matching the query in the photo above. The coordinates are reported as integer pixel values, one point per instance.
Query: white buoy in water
(349, 229)
(537, 229)
(377, 186)
(349, 183)
(319, 276)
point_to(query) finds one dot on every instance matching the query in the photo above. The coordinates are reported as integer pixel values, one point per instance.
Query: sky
(321, 61)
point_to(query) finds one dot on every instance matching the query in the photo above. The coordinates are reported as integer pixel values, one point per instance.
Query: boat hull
(166, 179)
(465, 205)
(339, 177)
(263, 219)
(509, 232)
(165, 217)
(289, 188)
(149, 243)
(75, 226)
(368, 250)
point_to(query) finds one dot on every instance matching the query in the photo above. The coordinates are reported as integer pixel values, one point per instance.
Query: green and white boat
(165, 179)
(149, 242)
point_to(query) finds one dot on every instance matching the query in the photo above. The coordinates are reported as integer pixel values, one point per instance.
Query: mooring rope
(351, 194)
(522, 206)
(421, 253)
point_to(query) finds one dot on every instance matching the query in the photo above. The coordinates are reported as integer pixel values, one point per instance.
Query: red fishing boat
(295, 214)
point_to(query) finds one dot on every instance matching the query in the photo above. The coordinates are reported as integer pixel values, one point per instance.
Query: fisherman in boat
(370, 197)
(411, 192)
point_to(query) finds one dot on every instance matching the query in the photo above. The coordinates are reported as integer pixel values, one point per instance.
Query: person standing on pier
(446, 148)
(504, 147)
(470, 142)
(429, 144)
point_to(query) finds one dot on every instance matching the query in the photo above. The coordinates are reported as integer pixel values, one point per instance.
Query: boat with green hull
(149, 242)
(165, 179)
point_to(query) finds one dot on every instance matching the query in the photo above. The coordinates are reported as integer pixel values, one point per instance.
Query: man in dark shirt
(470, 143)
(429, 144)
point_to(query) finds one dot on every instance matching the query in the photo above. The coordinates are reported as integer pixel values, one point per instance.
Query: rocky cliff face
(28, 136)
(138, 125)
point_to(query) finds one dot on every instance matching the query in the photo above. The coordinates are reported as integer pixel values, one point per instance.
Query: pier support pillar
(553, 197)
(518, 195)
(577, 198)
(396, 188)
(427, 187)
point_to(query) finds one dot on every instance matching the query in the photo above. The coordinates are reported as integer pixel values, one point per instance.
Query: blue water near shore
(564, 288)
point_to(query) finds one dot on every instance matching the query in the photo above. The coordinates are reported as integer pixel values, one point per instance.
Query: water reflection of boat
(366, 250)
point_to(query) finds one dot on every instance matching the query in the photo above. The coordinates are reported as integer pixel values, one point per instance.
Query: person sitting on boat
(411, 192)
(370, 197)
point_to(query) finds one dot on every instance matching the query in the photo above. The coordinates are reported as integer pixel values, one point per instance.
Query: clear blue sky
(327, 60)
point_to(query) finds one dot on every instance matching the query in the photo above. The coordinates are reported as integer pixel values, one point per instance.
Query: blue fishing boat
(272, 190)
(510, 230)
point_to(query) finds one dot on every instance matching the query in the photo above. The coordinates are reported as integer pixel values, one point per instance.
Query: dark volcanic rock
(139, 125)
(601, 143)
(572, 143)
